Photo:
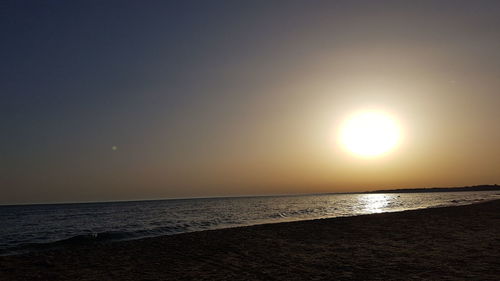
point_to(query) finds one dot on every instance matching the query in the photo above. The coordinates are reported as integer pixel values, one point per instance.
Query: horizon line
(242, 196)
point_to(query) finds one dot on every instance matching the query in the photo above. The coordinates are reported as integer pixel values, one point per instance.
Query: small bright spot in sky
(369, 133)
(114, 148)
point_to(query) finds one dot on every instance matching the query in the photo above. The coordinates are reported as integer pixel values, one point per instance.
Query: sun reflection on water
(374, 203)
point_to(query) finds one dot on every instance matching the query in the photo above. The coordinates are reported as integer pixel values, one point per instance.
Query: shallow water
(28, 227)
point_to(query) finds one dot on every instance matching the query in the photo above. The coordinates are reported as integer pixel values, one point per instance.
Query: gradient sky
(119, 100)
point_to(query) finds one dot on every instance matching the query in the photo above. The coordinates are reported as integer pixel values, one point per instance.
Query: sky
(123, 100)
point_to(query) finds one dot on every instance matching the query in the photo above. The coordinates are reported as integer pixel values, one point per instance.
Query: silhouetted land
(440, 189)
(450, 243)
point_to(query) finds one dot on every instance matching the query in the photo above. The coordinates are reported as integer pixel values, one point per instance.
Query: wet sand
(452, 243)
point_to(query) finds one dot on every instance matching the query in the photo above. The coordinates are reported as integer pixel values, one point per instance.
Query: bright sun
(370, 133)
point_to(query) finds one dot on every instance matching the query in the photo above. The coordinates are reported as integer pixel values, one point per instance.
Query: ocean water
(30, 227)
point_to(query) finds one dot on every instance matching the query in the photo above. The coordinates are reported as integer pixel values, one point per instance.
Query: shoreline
(439, 243)
(107, 237)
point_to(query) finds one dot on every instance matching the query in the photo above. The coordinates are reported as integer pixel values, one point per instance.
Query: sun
(370, 133)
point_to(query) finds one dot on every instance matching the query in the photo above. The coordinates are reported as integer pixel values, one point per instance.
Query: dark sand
(453, 243)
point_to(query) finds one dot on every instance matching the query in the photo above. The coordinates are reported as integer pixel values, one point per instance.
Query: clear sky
(118, 100)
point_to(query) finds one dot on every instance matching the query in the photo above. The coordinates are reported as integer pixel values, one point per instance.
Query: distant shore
(449, 243)
(474, 188)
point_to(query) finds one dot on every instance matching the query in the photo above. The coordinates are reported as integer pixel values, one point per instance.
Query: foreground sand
(454, 243)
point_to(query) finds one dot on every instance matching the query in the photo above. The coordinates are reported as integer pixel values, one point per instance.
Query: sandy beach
(451, 243)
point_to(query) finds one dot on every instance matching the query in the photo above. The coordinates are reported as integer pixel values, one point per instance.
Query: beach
(449, 243)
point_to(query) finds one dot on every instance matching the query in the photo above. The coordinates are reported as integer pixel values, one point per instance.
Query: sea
(25, 228)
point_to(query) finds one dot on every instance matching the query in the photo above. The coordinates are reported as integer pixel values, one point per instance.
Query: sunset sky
(121, 100)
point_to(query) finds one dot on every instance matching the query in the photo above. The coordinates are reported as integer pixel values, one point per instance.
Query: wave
(82, 239)
(93, 238)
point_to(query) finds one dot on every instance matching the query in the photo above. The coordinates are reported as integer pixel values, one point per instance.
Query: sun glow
(370, 133)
